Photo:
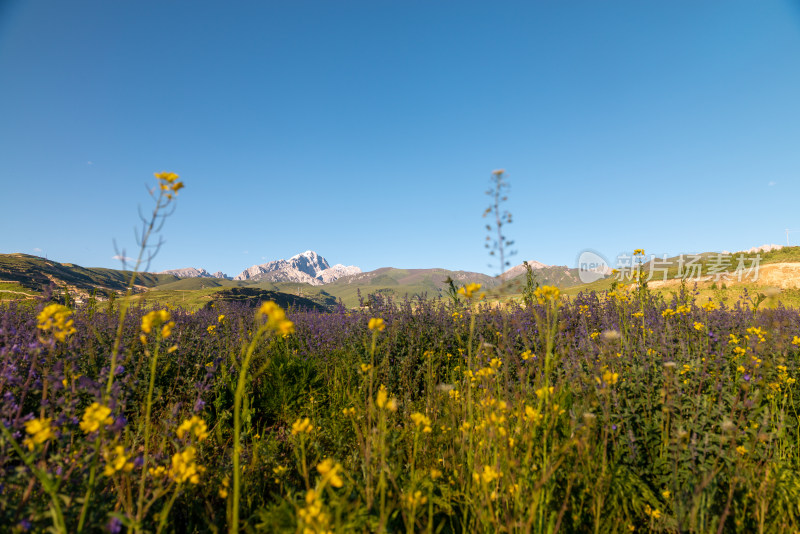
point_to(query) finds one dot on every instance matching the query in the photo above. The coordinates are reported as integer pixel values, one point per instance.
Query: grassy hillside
(35, 273)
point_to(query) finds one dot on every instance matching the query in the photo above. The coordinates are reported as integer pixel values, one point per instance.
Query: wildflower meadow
(619, 411)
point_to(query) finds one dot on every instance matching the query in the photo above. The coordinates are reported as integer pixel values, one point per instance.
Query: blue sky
(367, 131)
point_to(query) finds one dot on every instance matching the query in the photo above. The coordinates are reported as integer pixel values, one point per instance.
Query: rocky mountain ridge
(193, 272)
(307, 267)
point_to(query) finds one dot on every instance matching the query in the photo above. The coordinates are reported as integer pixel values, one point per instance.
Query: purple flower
(115, 525)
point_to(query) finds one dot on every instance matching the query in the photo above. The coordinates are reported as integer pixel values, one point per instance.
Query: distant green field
(14, 291)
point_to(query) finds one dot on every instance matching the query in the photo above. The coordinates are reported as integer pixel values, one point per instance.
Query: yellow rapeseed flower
(39, 431)
(709, 306)
(194, 425)
(421, 420)
(382, 400)
(117, 461)
(223, 490)
(487, 476)
(469, 290)
(184, 467)
(276, 318)
(55, 318)
(610, 378)
(168, 181)
(532, 415)
(415, 499)
(377, 323)
(329, 471)
(95, 418)
(155, 319)
(699, 326)
(545, 294)
(302, 426)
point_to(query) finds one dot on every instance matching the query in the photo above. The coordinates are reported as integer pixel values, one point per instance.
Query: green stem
(233, 528)
(92, 476)
(58, 516)
(147, 413)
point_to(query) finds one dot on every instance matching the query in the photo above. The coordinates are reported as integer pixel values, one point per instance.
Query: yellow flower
(421, 420)
(698, 326)
(376, 324)
(382, 400)
(532, 415)
(546, 294)
(469, 290)
(116, 461)
(195, 426)
(544, 392)
(638, 252)
(276, 318)
(55, 318)
(610, 378)
(365, 367)
(168, 181)
(221, 318)
(157, 471)
(184, 467)
(155, 319)
(210, 329)
(655, 514)
(435, 473)
(741, 449)
(709, 306)
(666, 494)
(302, 426)
(415, 499)
(329, 471)
(223, 491)
(487, 476)
(96, 417)
(39, 431)
(796, 340)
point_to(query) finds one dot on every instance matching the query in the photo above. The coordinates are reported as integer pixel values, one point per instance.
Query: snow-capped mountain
(308, 267)
(192, 272)
(335, 272)
(520, 269)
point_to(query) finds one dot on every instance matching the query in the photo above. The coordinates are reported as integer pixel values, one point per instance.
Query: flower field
(613, 412)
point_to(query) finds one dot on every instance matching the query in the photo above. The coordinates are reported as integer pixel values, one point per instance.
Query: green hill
(36, 273)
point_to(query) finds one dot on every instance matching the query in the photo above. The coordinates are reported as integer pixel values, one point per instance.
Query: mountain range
(306, 268)
(306, 274)
(310, 268)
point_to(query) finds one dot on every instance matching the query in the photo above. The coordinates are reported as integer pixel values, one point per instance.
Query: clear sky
(367, 131)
